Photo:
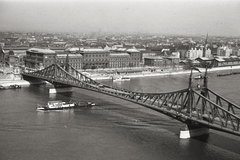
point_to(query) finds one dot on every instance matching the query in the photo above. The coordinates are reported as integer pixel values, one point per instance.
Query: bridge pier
(190, 130)
(60, 89)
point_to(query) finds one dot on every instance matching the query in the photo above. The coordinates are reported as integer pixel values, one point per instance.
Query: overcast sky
(191, 17)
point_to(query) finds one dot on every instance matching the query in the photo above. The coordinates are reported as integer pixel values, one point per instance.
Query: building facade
(146, 54)
(95, 58)
(224, 51)
(74, 59)
(208, 53)
(135, 57)
(37, 58)
(194, 53)
(154, 61)
(163, 62)
(226, 61)
(119, 60)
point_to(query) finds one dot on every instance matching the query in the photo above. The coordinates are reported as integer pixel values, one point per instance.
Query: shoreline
(21, 82)
(100, 76)
(157, 73)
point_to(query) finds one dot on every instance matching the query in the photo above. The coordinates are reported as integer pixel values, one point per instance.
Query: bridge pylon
(59, 87)
(191, 129)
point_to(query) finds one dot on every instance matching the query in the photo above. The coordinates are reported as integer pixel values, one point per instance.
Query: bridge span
(198, 109)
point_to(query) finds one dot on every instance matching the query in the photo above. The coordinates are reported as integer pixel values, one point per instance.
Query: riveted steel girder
(205, 107)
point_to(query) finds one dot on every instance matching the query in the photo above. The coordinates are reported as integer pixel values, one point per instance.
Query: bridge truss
(198, 107)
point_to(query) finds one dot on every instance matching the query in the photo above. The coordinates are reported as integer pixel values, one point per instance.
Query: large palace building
(74, 59)
(95, 58)
(90, 58)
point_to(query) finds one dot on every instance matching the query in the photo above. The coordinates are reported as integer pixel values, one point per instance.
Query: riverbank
(102, 76)
(23, 83)
(7, 83)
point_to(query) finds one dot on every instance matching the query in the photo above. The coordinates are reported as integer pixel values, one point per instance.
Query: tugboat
(59, 104)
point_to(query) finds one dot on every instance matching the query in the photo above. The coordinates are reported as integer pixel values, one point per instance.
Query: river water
(113, 129)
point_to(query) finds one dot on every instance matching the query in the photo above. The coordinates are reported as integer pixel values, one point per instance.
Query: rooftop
(132, 50)
(41, 50)
(154, 57)
(119, 54)
(74, 49)
(70, 55)
(92, 50)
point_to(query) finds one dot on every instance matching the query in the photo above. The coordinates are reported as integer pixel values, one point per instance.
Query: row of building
(91, 58)
(118, 57)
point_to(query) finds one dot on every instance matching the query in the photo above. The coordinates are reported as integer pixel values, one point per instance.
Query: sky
(175, 17)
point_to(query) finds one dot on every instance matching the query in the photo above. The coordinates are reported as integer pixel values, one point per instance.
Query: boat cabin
(55, 104)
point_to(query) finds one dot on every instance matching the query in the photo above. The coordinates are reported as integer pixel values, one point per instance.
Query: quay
(99, 75)
(22, 83)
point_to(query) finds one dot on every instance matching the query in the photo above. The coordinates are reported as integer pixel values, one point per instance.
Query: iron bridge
(204, 107)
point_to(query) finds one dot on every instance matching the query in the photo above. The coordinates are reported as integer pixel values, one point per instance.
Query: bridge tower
(60, 88)
(190, 129)
(67, 62)
(204, 90)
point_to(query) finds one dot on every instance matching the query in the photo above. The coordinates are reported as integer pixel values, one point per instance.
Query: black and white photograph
(119, 80)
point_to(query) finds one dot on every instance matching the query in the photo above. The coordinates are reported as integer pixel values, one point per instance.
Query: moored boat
(121, 78)
(2, 87)
(14, 86)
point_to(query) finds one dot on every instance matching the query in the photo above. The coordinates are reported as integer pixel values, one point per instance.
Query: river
(113, 129)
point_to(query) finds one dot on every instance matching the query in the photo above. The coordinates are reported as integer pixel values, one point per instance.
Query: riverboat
(121, 78)
(59, 104)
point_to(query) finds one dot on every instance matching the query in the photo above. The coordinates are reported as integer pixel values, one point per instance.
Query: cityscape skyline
(175, 17)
